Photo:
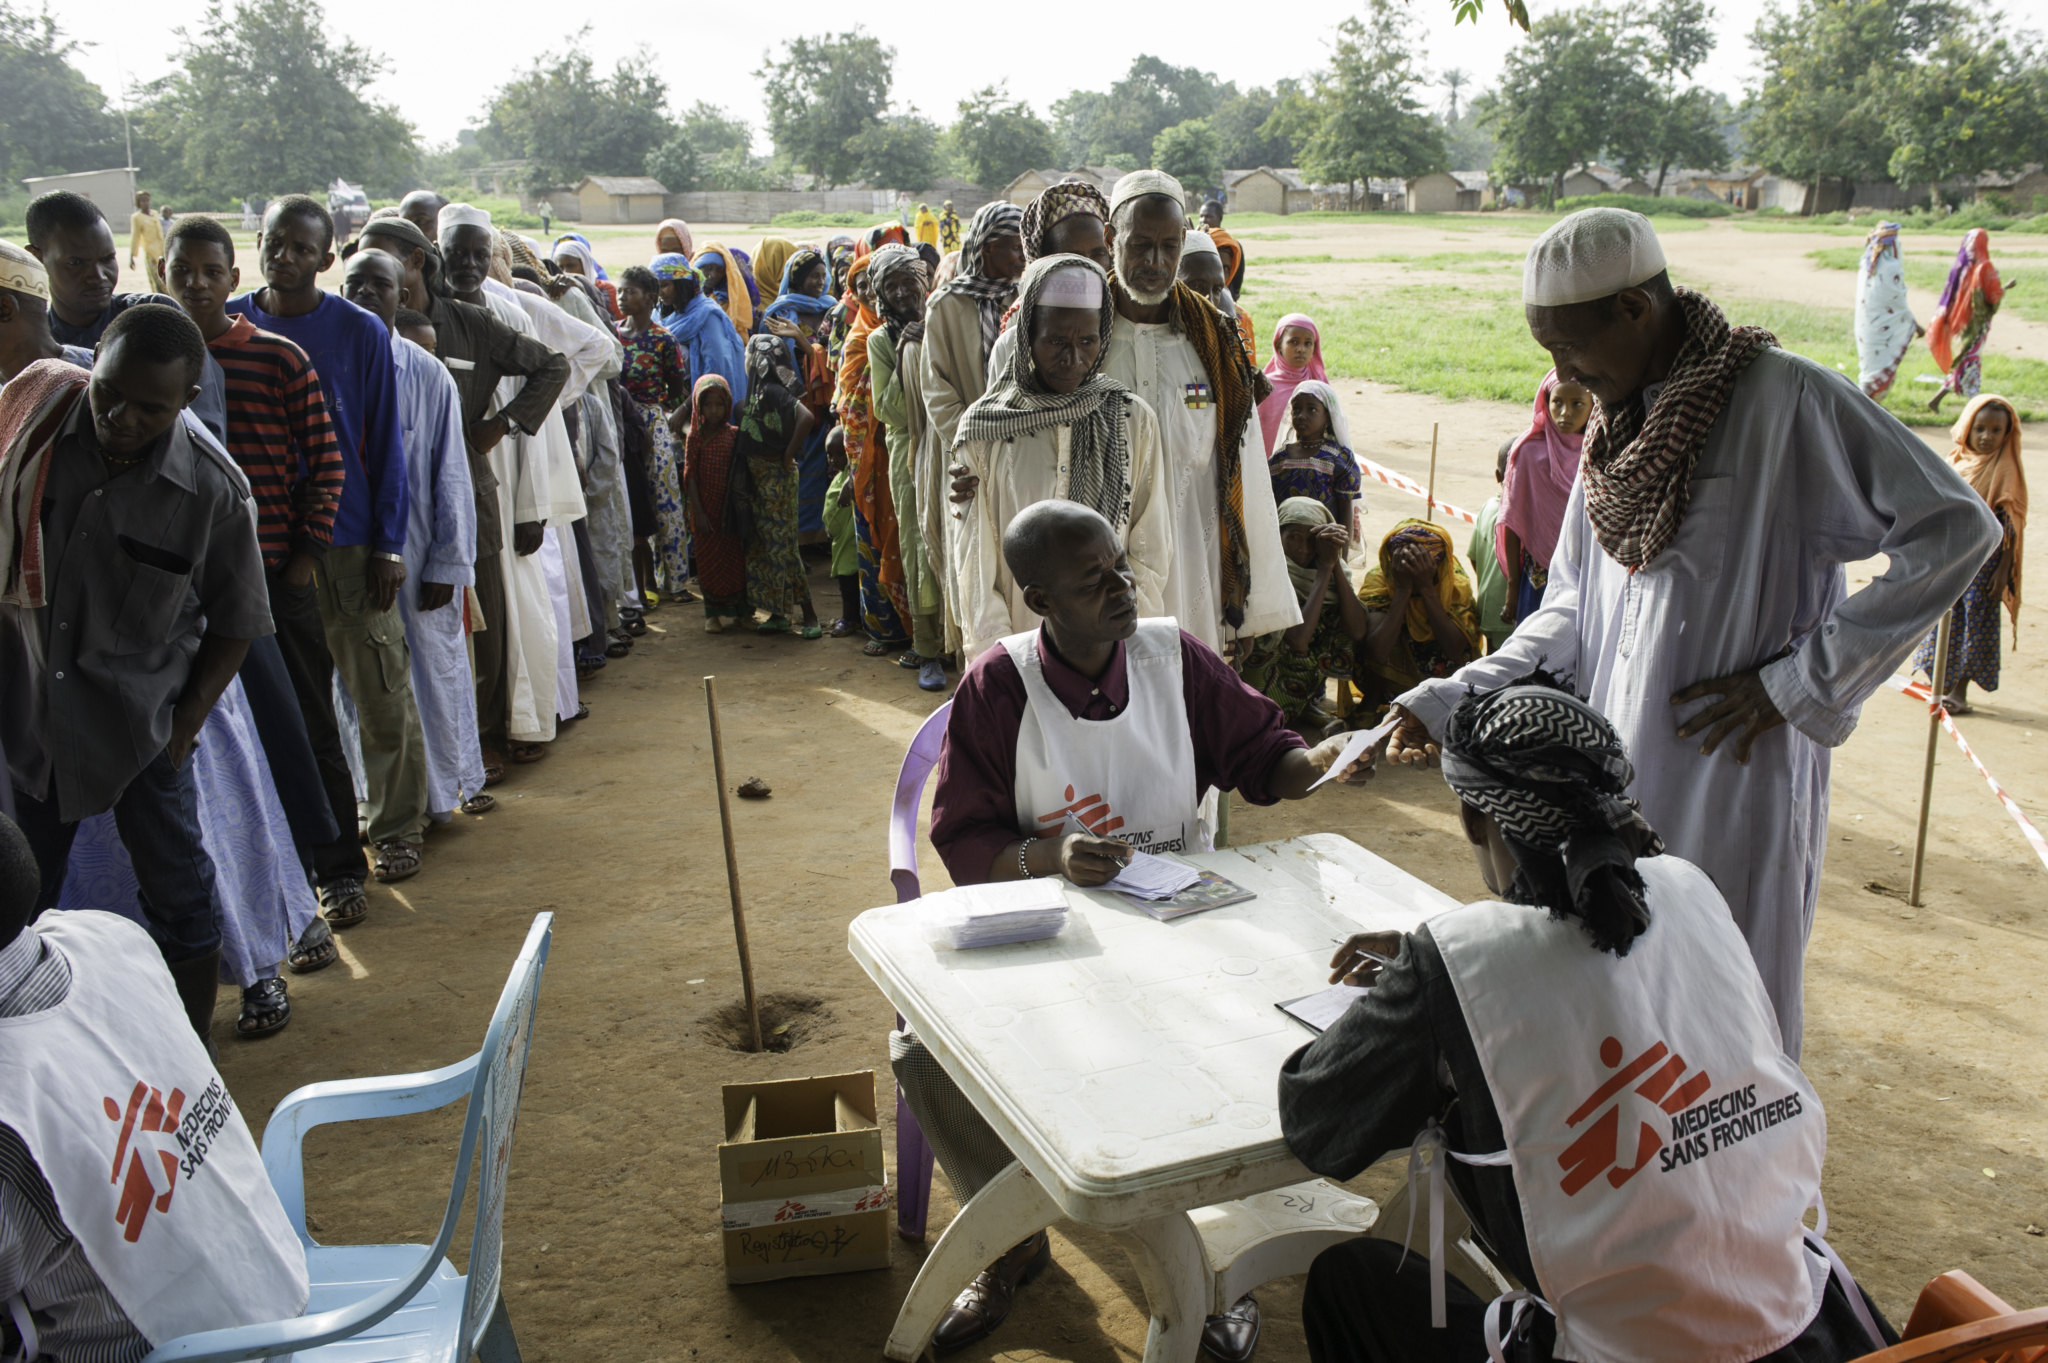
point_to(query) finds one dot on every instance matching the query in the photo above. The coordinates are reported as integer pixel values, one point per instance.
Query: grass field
(1457, 341)
(1929, 270)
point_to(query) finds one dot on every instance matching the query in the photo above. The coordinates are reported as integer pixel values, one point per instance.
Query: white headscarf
(1340, 431)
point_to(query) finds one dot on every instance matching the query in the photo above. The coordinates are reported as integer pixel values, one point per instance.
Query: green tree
(674, 163)
(1361, 119)
(1974, 105)
(1830, 72)
(1191, 153)
(52, 119)
(1153, 96)
(566, 120)
(714, 133)
(265, 102)
(1240, 123)
(1576, 88)
(999, 138)
(822, 95)
(1684, 124)
(898, 152)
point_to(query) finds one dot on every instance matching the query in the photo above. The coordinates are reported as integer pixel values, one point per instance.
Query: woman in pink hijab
(1541, 468)
(1297, 358)
(674, 235)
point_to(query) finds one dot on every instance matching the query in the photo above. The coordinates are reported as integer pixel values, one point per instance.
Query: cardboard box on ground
(801, 1178)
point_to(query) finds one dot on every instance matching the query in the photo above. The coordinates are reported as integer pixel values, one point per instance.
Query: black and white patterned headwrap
(1551, 772)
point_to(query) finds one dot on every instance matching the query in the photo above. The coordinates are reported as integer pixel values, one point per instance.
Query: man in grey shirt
(153, 587)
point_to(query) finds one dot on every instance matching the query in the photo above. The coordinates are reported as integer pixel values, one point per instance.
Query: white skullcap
(1072, 287)
(1594, 253)
(1140, 183)
(461, 215)
(22, 272)
(1199, 243)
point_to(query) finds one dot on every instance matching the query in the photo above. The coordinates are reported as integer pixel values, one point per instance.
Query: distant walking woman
(1885, 326)
(1987, 454)
(1962, 322)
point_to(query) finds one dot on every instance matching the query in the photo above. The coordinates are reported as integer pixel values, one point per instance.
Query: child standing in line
(1489, 582)
(839, 525)
(1297, 357)
(1541, 470)
(1312, 458)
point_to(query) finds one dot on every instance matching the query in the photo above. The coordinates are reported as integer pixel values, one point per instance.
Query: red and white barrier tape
(1920, 691)
(1414, 489)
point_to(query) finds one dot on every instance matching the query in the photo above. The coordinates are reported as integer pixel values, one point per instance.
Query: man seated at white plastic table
(1600, 1062)
(1120, 724)
(100, 1070)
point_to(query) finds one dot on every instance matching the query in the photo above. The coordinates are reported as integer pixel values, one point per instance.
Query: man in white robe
(1729, 582)
(1154, 358)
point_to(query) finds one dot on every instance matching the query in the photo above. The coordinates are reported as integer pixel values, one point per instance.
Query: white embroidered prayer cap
(1199, 243)
(1594, 253)
(1074, 286)
(1140, 183)
(21, 272)
(461, 215)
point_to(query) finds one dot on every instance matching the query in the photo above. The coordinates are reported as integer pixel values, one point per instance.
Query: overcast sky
(713, 54)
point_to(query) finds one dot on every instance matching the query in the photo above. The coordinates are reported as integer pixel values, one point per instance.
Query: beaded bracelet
(1023, 868)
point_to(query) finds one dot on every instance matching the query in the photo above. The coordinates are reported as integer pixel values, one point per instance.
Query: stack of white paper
(1148, 877)
(1007, 911)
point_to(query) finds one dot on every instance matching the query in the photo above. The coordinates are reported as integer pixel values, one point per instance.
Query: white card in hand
(1150, 877)
(1355, 747)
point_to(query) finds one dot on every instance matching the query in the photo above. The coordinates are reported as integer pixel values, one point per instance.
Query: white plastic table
(1131, 1064)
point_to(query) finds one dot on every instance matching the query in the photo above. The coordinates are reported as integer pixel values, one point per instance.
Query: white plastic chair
(402, 1303)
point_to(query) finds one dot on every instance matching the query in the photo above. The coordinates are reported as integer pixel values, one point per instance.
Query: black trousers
(1358, 1309)
(302, 638)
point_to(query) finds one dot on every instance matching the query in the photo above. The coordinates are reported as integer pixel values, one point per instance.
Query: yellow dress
(146, 238)
(926, 225)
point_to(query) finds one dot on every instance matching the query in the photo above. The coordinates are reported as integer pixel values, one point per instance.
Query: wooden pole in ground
(732, 866)
(1430, 514)
(1934, 713)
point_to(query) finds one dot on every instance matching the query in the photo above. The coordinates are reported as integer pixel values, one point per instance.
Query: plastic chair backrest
(918, 762)
(1955, 1298)
(494, 1111)
(1991, 1339)
(511, 1020)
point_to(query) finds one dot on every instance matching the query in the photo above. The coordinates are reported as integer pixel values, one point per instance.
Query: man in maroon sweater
(1121, 726)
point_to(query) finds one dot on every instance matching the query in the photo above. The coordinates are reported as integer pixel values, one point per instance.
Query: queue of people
(309, 571)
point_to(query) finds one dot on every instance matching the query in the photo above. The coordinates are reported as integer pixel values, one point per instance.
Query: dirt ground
(1924, 1036)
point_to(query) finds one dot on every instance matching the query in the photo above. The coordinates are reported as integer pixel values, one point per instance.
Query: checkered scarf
(1018, 403)
(1637, 467)
(1059, 201)
(992, 296)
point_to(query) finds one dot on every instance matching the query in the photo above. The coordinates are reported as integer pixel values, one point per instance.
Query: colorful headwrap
(671, 265)
(1058, 202)
(679, 232)
(1972, 283)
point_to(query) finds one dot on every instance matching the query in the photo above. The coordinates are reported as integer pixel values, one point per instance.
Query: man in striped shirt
(279, 431)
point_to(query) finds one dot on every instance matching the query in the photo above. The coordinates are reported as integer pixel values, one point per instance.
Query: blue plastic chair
(913, 1152)
(393, 1303)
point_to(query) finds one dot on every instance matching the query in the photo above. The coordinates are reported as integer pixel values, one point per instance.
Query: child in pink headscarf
(1297, 357)
(1541, 469)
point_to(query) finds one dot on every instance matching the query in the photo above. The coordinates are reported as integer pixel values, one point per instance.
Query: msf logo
(1597, 1149)
(1092, 811)
(149, 1150)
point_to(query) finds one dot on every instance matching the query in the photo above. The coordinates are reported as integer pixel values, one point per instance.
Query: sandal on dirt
(618, 644)
(265, 1008)
(811, 631)
(582, 711)
(397, 860)
(634, 625)
(315, 949)
(523, 753)
(343, 903)
(875, 648)
(842, 628)
(774, 624)
(911, 661)
(480, 804)
(494, 767)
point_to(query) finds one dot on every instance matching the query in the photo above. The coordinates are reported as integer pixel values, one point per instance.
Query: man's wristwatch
(388, 558)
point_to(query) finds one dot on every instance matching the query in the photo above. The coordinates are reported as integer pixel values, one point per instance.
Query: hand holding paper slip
(1355, 746)
(1144, 876)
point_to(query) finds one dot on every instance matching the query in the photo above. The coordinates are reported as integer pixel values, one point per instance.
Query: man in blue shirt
(355, 588)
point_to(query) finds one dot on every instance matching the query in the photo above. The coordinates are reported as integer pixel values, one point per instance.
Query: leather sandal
(397, 860)
(976, 1312)
(265, 1008)
(343, 903)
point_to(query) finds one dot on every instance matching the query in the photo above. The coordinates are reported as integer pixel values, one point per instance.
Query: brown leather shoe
(1233, 1335)
(986, 1303)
